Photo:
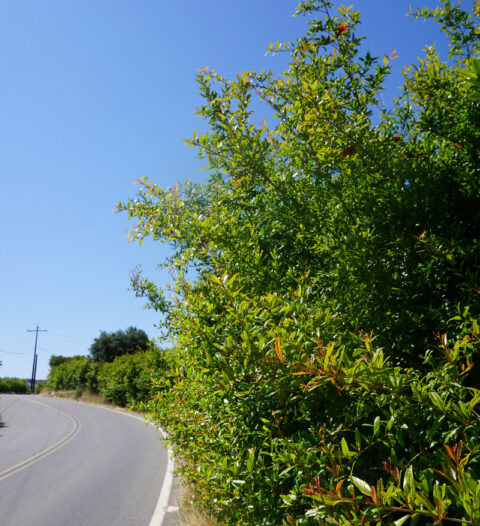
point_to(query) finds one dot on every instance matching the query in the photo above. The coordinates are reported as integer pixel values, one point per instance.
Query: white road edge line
(162, 503)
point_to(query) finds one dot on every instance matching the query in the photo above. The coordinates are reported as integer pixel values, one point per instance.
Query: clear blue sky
(93, 95)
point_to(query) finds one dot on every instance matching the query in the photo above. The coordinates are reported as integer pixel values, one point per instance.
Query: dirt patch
(192, 516)
(87, 398)
(190, 513)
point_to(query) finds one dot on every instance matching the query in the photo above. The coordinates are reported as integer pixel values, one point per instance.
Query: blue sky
(93, 95)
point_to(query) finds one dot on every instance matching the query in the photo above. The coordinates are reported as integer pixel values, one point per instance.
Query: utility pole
(34, 367)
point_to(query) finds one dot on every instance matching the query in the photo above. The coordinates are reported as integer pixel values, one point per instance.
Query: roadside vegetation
(119, 369)
(13, 385)
(325, 302)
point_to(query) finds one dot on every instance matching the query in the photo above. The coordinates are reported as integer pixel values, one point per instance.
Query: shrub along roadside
(13, 385)
(125, 381)
(312, 232)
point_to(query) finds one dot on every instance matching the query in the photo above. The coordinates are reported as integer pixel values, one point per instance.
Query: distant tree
(57, 360)
(108, 346)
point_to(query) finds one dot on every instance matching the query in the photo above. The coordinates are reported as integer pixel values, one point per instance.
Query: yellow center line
(39, 456)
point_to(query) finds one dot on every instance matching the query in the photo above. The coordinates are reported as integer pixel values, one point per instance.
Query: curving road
(64, 463)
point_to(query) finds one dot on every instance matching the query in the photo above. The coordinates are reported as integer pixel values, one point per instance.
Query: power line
(45, 350)
(10, 352)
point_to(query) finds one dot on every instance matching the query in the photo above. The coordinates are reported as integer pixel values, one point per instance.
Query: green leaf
(228, 374)
(251, 460)
(289, 499)
(328, 354)
(363, 486)
(402, 520)
(409, 483)
(376, 426)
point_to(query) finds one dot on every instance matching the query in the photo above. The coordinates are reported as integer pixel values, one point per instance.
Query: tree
(57, 360)
(332, 251)
(110, 345)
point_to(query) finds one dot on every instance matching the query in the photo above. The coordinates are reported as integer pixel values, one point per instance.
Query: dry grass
(194, 517)
(88, 398)
(191, 514)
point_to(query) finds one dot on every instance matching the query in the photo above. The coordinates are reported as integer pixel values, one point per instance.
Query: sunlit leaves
(311, 379)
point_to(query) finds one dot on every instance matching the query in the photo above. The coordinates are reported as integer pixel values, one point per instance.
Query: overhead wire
(10, 352)
(45, 350)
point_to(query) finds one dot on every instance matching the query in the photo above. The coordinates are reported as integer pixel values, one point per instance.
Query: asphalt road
(63, 463)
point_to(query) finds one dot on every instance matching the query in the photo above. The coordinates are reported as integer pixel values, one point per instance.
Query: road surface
(64, 463)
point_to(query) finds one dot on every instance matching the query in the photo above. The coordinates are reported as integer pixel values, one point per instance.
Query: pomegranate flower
(340, 29)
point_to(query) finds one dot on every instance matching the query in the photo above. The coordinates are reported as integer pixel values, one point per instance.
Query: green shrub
(69, 374)
(13, 385)
(315, 376)
(91, 376)
(127, 380)
(57, 360)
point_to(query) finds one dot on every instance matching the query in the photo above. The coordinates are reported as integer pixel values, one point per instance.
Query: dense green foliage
(71, 373)
(13, 385)
(109, 345)
(127, 380)
(57, 360)
(120, 367)
(326, 291)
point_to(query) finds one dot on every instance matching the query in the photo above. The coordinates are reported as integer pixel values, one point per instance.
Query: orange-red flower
(340, 29)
